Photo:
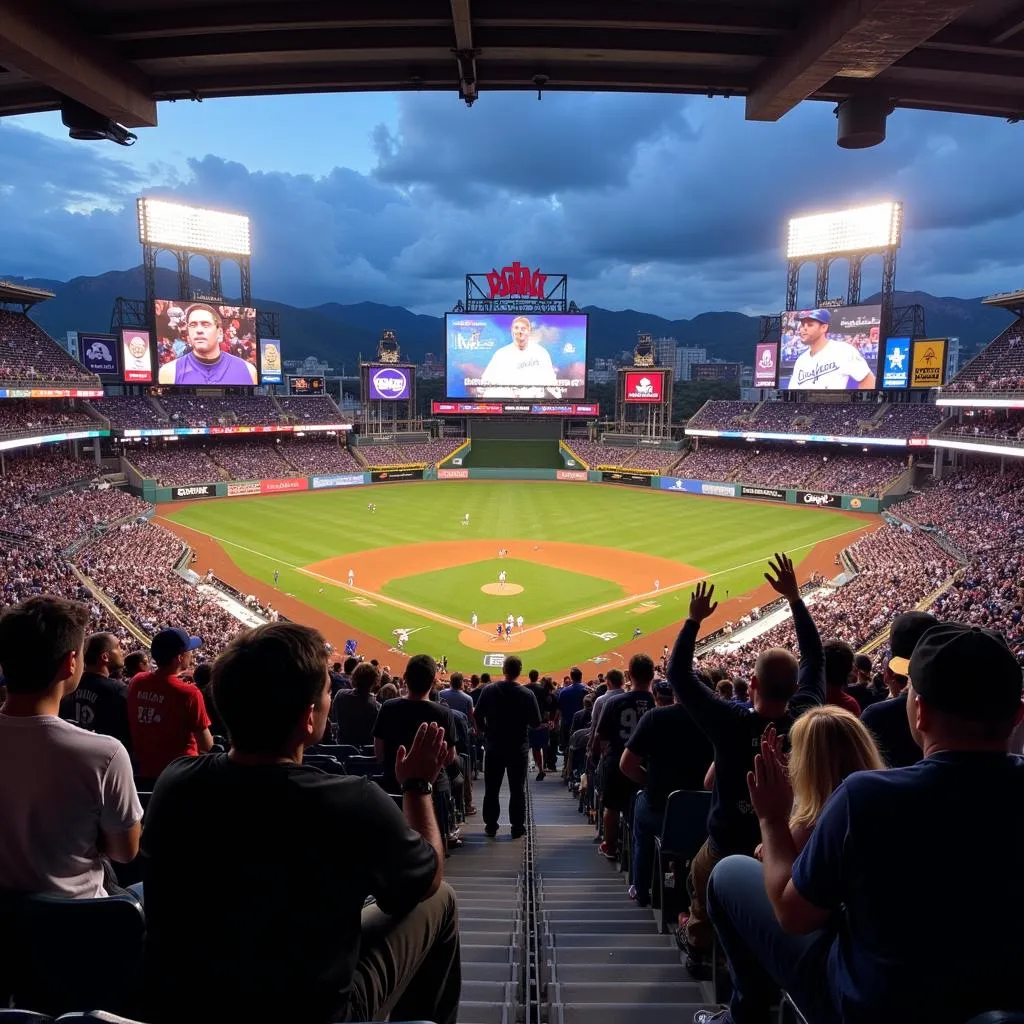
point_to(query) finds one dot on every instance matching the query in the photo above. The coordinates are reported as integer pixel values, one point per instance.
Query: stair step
(490, 972)
(613, 957)
(485, 1013)
(626, 992)
(488, 992)
(615, 940)
(486, 938)
(626, 1013)
(627, 926)
(639, 973)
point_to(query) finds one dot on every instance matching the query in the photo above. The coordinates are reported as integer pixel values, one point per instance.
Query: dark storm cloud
(668, 204)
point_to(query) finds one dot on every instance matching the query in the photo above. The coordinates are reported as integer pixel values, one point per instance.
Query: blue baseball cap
(823, 316)
(169, 643)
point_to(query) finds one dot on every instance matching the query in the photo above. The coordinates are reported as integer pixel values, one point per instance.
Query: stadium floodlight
(176, 226)
(867, 227)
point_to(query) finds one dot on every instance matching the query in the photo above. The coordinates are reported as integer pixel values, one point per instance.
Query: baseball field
(586, 566)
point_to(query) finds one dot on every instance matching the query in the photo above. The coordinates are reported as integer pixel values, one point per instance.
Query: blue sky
(673, 205)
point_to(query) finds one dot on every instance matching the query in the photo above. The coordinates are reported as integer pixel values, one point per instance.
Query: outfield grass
(724, 537)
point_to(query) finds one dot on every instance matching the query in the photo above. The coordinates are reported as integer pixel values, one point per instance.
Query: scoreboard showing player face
(537, 356)
(830, 349)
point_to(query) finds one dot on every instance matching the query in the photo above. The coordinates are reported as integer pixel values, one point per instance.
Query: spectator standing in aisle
(67, 797)
(888, 719)
(263, 830)
(570, 700)
(167, 715)
(100, 701)
(506, 713)
(781, 689)
(354, 711)
(850, 943)
(541, 736)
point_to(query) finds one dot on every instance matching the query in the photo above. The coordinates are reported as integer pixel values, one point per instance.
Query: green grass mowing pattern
(718, 535)
(548, 593)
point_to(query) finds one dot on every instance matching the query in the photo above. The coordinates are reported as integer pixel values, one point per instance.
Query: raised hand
(770, 790)
(426, 756)
(784, 581)
(701, 601)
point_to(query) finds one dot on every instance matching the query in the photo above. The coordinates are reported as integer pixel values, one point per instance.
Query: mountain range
(340, 334)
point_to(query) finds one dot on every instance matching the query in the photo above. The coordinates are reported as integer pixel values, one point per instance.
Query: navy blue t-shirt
(900, 856)
(570, 700)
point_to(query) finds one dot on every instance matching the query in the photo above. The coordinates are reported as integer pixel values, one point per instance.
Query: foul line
(550, 624)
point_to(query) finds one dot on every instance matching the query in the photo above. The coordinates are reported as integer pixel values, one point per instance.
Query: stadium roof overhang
(21, 295)
(120, 57)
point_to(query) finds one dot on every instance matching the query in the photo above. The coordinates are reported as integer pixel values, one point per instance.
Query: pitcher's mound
(502, 590)
(479, 640)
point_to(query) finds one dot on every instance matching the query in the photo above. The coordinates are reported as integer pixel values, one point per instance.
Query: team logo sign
(607, 637)
(494, 660)
(389, 383)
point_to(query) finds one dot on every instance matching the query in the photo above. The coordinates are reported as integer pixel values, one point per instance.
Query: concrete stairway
(487, 876)
(602, 960)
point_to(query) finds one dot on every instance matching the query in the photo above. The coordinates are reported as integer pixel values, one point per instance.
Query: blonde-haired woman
(826, 745)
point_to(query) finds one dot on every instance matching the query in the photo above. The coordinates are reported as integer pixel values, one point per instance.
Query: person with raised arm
(781, 688)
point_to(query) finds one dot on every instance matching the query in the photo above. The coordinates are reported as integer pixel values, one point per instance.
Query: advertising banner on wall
(762, 493)
(98, 353)
(389, 383)
(896, 363)
(136, 356)
(643, 386)
(571, 474)
(681, 486)
(389, 475)
(819, 499)
(270, 361)
(239, 487)
(195, 491)
(637, 479)
(453, 474)
(928, 368)
(319, 483)
(291, 483)
(766, 364)
(718, 490)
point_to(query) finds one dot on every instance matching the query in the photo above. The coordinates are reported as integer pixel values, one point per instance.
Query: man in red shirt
(167, 716)
(838, 673)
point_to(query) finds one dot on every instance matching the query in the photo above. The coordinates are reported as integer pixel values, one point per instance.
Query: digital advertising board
(928, 363)
(766, 364)
(506, 408)
(270, 361)
(136, 356)
(389, 383)
(306, 385)
(644, 387)
(514, 357)
(830, 349)
(896, 363)
(205, 344)
(98, 353)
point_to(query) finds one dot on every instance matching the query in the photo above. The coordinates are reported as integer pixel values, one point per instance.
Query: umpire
(505, 713)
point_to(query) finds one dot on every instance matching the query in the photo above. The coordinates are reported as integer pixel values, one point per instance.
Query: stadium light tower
(188, 231)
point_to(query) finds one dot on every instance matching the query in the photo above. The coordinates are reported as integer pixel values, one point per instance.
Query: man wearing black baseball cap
(887, 720)
(167, 715)
(853, 942)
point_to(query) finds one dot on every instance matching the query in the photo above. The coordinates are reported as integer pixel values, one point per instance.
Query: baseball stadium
(702, 675)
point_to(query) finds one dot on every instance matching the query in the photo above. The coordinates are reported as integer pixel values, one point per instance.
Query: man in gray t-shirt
(456, 697)
(66, 795)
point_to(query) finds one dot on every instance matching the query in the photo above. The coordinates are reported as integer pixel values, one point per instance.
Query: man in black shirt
(887, 719)
(398, 720)
(540, 737)
(100, 704)
(863, 690)
(287, 855)
(619, 715)
(505, 713)
(667, 751)
(781, 689)
(354, 709)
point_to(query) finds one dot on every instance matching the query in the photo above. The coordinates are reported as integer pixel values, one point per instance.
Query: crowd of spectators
(998, 367)
(722, 415)
(28, 355)
(27, 473)
(909, 420)
(133, 564)
(1006, 425)
(713, 461)
(241, 410)
(314, 409)
(131, 411)
(312, 455)
(595, 454)
(20, 416)
(380, 456)
(173, 465)
(69, 516)
(249, 460)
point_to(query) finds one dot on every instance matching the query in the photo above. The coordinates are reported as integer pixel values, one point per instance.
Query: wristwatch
(420, 786)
